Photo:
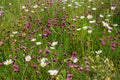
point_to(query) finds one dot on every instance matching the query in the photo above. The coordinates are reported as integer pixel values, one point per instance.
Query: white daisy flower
(35, 6)
(69, 5)
(88, 6)
(89, 31)
(54, 43)
(113, 7)
(32, 11)
(82, 17)
(38, 43)
(33, 39)
(23, 7)
(43, 60)
(53, 72)
(108, 15)
(52, 47)
(101, 16)
(14, 32)
(98, 52)
(92, 21)
(94, 9)
(85, 27)
(105, 24)
(43, 64)
(102, 2)
(89, 16)
(115, 25)
(28, 58)
(7, 62)
(78, 29)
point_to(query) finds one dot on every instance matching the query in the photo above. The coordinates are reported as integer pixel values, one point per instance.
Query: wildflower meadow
(59, 39)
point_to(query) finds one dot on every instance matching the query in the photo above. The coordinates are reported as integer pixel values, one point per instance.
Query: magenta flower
(1, 64)
(40, 51)
(27, 24)
(68, 79)
(69, 75)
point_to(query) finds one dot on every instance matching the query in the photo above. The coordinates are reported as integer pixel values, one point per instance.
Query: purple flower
(74, 53)
(54, 59)
(80, 69)
(70, 65)
(65, 53)
(69, 75)
(68, 79)
(47, 51)
(87, 68)
(27, 24)
(40, 51)
(86, 62)
(1, 64)
(16, 70)
(34, 65)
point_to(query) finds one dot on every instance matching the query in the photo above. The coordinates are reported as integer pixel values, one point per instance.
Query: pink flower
(68, 79)
(1, 43)
(69, 75)
(40, 51)
(27, 24)
(1, 64)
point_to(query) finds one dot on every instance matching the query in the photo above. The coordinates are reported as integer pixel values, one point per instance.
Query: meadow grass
(60, 40)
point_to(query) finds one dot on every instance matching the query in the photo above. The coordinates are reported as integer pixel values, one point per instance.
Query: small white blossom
(43, 64)
(78, 29)
(39, 35)
(53, 72)
(105, 24)
(28, 58)
(15, 32)
(89, 16)
(98, 52)
(32, 11)
(42, 10)
(38, 43)
(54, 43)
(85, 27)
(82, 17)
(102, 2)
(89, 31)
(113, 7)
(23, 7)
(69, 5)
(33, 39)
(109, 31)
(115, 25)
(35, 6)
(88, 6)
(108, 15)
(94, 9)
(10, 3)
(52, 47)
(43, 60)
(92, 21)
(7, 62)
(101, 16)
